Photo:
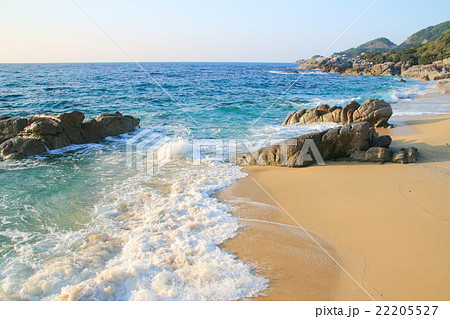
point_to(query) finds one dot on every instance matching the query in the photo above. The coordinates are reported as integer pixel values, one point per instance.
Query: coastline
(386, 225)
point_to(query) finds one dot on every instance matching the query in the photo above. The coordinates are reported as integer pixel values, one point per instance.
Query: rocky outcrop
(376, 112)
(353, 141)
(26, 136)
(359, 66)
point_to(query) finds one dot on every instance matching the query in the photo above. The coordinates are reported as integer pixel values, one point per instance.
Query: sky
(202, 31)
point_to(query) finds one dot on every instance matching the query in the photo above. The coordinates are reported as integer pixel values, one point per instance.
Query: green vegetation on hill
(377, 45)
(426, 35)
(422, 54)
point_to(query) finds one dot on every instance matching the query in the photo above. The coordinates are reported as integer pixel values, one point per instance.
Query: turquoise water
(78, 223)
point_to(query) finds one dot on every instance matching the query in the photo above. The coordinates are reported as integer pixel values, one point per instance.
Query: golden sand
(371, 231)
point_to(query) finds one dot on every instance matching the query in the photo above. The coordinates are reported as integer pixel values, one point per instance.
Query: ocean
(80, 224)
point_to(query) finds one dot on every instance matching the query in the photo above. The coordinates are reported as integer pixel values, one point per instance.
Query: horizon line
(92, 62)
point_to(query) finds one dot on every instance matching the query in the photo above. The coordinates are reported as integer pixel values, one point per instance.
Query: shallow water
(78, 223)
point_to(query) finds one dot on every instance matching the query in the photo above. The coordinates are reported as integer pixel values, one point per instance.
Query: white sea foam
(151, 238)
(409, 92)
(283, 72)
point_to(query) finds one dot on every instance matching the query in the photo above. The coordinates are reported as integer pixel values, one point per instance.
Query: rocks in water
(20, 147)
(405, 155)
(355, 141)
(376, 112)
(107, 124)
(26, 136)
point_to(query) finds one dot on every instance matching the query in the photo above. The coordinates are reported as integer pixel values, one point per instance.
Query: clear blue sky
(215, 30)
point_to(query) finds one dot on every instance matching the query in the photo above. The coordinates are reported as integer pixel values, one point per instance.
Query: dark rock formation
(26, 136)
(376, 112)
(381, 141)
(352, 141)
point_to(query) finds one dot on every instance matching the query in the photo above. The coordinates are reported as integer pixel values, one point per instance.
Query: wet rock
(26, 136)
(19, 148)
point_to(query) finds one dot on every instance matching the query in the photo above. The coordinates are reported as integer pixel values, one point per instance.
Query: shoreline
(383, 224)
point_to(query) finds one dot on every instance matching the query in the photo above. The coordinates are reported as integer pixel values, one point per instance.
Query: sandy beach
(351, 231)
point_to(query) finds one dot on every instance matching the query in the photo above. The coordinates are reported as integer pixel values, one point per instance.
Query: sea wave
(409, 92)
(144, 242)
(283, 72)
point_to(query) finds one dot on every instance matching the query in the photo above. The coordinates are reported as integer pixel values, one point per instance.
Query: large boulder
(26, 136)
(376, 112)
(333, 143)
(353, 142)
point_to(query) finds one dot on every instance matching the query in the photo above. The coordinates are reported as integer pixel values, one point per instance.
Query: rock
(352, 141)
(26, 136)
(405, 155)
(331, 144)
(376, 112)
(347, 112)
(107, 124)
(424, 78)
(72, 122)
(19, 148)
(373, 154)
(12, 126)
(43, 126)
(381, 141)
